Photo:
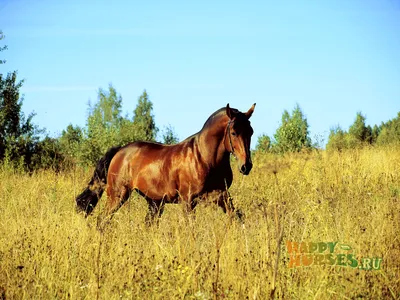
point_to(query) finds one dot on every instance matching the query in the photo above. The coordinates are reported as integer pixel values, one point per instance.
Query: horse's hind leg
(116, 198)
(156, 208)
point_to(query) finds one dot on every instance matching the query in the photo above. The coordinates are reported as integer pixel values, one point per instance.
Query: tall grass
(47, 250)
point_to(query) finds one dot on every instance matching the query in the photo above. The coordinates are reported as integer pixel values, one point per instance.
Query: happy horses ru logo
(306, 254)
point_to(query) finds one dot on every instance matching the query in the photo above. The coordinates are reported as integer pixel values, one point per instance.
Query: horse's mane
(219, 112)
(211, 118)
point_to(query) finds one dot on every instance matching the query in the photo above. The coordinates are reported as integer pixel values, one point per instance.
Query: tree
(71, 140)
(360, 134)
(292, 135)
(337, 139)
(103, 125)
(375, 133)
(18, 136)
(263, 143)
(368, 135)
(143, 119)
(48, 154)
(358, 131)
(169, 137)
(107, 128)
(389, 132)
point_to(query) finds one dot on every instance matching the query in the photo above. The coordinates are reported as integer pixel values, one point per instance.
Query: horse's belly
(156, 187)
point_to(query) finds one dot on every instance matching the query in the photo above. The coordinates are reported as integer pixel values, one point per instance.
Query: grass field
(48, 251)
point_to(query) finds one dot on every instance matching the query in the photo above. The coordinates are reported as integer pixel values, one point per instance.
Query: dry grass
(48, 251)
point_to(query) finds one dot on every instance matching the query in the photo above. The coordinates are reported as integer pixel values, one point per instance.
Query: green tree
(368, 135)
(375, 133)
(389, 132)
(293, 134)
(358, 131)
(143, 119)
(48, 154)
(71, 140)
(263, 143)
(106, 127)
(360, 134)
(337, 139)
(18, 136)
(169, 137)
(103, 125)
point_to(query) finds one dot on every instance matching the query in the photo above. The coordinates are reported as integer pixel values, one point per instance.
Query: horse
(195, 169)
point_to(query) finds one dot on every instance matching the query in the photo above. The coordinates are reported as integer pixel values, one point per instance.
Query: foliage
(389, 132)
(71, 140)
(375, 133)
(20, 144)
(337, 139)
(293, 134)
(103, 125)
(18, 136)
(263, 143)
(169, 136)
(48, 154)
(360, 134)
(106, 127)
(143, 119)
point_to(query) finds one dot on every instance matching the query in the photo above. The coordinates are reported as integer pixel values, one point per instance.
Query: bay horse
(194, 169)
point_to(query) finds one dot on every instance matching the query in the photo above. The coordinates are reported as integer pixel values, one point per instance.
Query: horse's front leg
(156, 208)
(188, 204)
(224, 200)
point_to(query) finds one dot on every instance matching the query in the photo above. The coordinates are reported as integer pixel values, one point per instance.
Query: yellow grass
(49, 251)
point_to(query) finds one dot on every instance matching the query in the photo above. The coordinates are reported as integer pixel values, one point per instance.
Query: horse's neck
(211, 145)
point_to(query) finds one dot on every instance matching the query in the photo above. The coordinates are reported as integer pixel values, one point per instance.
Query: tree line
(25, 145)
(359, 134)
(293, 134)
(22, 143)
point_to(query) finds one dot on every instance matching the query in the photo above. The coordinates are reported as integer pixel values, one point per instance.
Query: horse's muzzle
(246, 168)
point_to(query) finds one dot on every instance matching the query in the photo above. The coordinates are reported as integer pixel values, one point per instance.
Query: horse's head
(238, 137)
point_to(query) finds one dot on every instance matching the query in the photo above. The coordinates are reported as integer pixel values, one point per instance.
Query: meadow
(48, 251)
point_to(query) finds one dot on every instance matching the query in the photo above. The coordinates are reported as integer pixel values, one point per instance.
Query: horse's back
(159, 171)
(146, 167)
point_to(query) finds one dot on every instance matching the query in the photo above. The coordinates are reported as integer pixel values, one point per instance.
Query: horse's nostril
(246, 168)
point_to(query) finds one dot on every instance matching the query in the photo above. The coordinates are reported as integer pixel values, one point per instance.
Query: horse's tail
(88, 199)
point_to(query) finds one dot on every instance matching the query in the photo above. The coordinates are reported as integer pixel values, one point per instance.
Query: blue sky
(333, 58)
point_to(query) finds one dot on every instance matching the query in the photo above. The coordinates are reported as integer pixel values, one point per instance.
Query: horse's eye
(233, 133)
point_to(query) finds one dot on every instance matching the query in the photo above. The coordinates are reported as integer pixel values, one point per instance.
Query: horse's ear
(229, 111)
(250, 111)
